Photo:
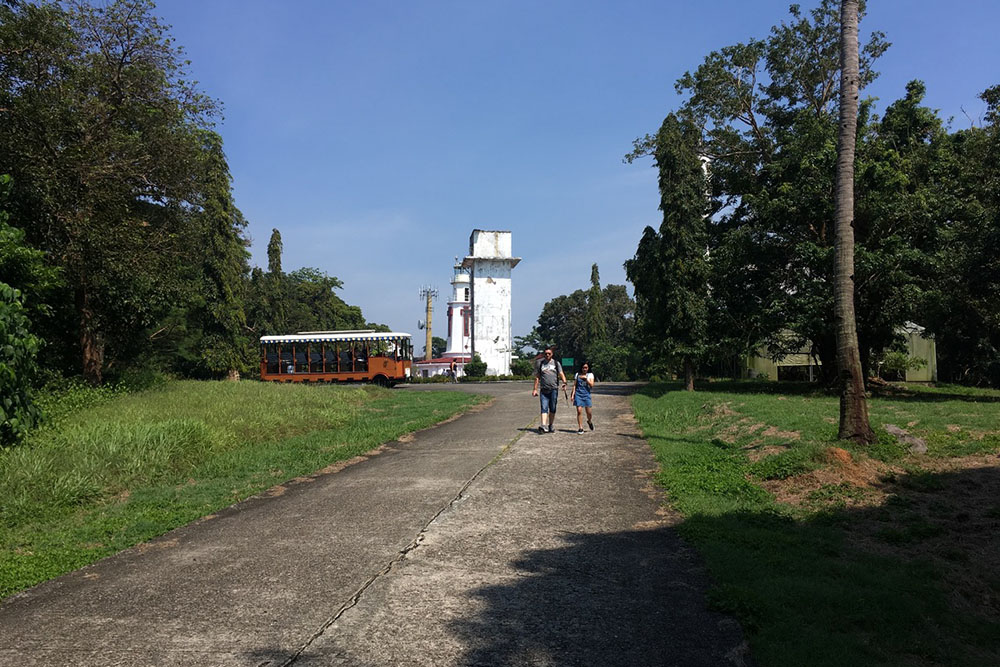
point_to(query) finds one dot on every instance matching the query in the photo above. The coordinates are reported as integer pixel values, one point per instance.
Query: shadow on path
(628, 598)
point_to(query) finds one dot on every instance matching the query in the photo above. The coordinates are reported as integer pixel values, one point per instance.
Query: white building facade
(460, 314)
(489, 264)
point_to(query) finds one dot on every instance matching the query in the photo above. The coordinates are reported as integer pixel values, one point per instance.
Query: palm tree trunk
(854, 424)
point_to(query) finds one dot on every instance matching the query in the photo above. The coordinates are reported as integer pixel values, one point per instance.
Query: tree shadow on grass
(915, 581)
(786, 388)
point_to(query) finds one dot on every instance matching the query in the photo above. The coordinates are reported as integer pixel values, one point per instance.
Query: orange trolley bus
(382, 357)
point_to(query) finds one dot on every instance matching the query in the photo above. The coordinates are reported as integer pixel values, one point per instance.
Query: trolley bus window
(271, 358)
(315, 358)
(300, 359)
(285, 360)
(361, 357)
(331, 358)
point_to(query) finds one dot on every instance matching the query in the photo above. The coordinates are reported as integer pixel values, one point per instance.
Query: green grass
(111, 470)
(834, 580)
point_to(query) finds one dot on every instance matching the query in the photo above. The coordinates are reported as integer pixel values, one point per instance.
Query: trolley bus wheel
(382, 381)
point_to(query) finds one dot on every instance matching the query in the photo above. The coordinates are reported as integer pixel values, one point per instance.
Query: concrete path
(478, 542)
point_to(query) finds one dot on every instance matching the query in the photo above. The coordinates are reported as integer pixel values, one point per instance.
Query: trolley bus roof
(323, 336)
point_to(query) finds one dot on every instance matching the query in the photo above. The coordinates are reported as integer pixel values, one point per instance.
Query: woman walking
(582, 382)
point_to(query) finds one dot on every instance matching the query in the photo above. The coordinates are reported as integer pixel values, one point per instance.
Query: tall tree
(597, 330)
(98, 124)
(18, 346)
(854, 423)
(962, 300)
(563, 324)
(670, 268)
(274, 297)
(767, 112)
(226, 347)
(274, 250)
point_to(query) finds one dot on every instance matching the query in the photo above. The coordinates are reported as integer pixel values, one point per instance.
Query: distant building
(479, 312)
(459, 346)
(490, 263)
(801, 365)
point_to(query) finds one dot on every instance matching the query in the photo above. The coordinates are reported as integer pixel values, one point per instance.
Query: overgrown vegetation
(763, 116)
(111, 469)
(126, 244)
(835, 554)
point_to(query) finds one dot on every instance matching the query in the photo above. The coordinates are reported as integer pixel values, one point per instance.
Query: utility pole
(428, 293)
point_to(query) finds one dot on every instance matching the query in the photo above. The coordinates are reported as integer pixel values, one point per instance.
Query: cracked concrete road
(478, 542)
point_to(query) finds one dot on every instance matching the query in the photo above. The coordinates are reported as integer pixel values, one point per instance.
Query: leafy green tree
(99, 131)
(23, 267)
(18, 346)
(226, 346)
(670, 269)
(529, 345)
(768, 114)
(275, 294)
(962, 296)
(563, 324)
(438, 346)
(18, 349)
(314, 306)
(274, 250)
(597, 330)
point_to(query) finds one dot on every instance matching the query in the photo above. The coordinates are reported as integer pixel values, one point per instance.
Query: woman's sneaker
(541, 429)
(580, 431)
(590, 424)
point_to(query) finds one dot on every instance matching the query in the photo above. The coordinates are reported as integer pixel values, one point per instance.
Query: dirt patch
(756, 452)
(723, 410)
(944, 511)
(775, 432)
(858, 482)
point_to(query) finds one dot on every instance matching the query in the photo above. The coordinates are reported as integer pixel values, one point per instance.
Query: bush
(475, 368)
(522, 368)
(17, 367)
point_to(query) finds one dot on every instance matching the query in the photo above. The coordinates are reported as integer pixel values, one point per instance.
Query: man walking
(548, 375)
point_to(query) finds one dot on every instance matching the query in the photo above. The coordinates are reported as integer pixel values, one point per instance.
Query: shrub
(475, 368)
(522, 368)
(17, 367)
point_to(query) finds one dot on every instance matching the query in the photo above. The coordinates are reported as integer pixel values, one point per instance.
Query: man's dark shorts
(548, 397)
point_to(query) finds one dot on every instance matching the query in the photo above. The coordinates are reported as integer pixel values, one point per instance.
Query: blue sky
(376, 135)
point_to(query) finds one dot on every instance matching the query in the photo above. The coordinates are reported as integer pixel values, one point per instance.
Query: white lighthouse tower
(460, 315)
(489, 263)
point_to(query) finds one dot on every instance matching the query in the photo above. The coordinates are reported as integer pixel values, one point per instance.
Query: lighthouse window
(466, 293)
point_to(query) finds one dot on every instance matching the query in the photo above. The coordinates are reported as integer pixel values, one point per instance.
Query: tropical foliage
(122, 244)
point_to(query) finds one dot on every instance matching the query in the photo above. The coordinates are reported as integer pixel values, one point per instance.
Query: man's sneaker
(580, 431)
(541, 429)
(590, 424)
(551, 430)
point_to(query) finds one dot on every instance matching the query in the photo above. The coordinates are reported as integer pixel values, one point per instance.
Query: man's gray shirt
(548, 374)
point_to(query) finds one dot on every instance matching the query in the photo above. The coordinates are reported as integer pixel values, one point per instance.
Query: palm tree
(854, 423)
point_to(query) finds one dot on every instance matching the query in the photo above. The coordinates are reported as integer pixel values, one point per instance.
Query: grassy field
(112, 469)
(831, 554)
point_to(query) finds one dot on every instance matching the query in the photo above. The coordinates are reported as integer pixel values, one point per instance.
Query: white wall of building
(490, 263)
(459, 308)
